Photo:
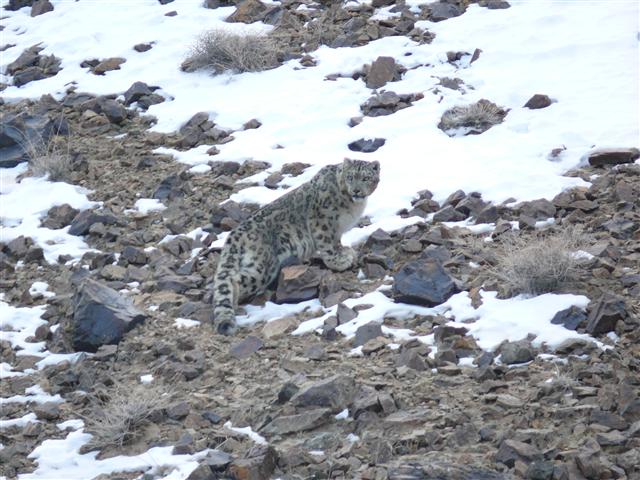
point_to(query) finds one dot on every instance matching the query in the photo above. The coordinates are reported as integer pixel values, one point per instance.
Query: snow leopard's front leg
(338, 258)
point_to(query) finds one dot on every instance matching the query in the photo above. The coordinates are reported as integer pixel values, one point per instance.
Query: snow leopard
(305, 222)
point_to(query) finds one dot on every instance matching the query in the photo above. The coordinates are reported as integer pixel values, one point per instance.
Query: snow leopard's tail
(224, 290)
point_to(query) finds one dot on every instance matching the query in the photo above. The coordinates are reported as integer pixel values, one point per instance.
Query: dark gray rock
(59, 216)
(136, 91)
(307, 420)
(571, 318)
(605, 314)
(287, 391)
(538, 101)
(41, 6)
(367, 332)
(20, 133)
(448, 214)
(28, 75)
(134, 255)
(366, 145)
(516, 352)
(345, 314)
(382, 70)
(170, 187)
(142, 47)
(248, 11)
(246, 347)
(423, 283)
(19, 246)
(511, 451)
(47, 410)
(439, 11)
(298, 283)
(495, 4)
(113, 110)
(85, 219)
(101, 316)
(612, 156)
(336, 392)
(540, 470)
(540, 209)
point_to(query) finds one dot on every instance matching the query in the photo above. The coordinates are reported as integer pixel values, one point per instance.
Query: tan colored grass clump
(222, 51)
(541, 264)
(119, 418)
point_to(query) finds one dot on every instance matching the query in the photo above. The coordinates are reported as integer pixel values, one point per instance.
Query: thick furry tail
(223, 303)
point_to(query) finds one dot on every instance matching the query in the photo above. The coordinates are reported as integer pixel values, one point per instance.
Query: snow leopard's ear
(376, 165)
(347, 162)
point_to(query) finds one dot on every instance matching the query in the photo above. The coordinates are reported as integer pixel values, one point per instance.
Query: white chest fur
(349, 218)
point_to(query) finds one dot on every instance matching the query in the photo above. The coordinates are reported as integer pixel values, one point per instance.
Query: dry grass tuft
(119, 419)
(221, 51)
(51, 158)
(540, 264)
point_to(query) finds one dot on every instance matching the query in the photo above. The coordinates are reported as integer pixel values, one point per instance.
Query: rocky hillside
(421, 362)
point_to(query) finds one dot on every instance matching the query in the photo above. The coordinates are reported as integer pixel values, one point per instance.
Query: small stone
(142, 47)
(41, 6)
(252, 124)
(212, 417)
(443, 11)
(248, 11)
(366, 145)
(540, 470)
(260, 465)
(538, 101)
(511, 451)
(47, 410)
(367, 332)
(509, 401)
(279, 327)
(516, 352)
(108, 65)
(571, 318)
(315, 352)
(382, 71)
(345, 314)
(287, 392)
(246, 347)
(449, 370)
(178, 410)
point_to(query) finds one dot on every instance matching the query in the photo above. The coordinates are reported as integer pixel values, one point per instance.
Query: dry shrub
(221, 51)
(51, 158)
(119, 418)
(472, 119)
(540, 264)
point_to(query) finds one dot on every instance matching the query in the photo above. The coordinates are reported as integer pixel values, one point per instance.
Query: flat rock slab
(246, 347)
(101, 316)
(612, 156)
(336, 392)
(297, 423)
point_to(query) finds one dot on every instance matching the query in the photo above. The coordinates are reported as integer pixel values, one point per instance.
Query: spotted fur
(307, 221)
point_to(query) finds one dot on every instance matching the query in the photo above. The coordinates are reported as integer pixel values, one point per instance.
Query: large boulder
(423, 283)
(23, 134)
(101, 316)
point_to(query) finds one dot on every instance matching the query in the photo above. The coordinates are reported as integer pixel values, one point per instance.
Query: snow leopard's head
(360, 178)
